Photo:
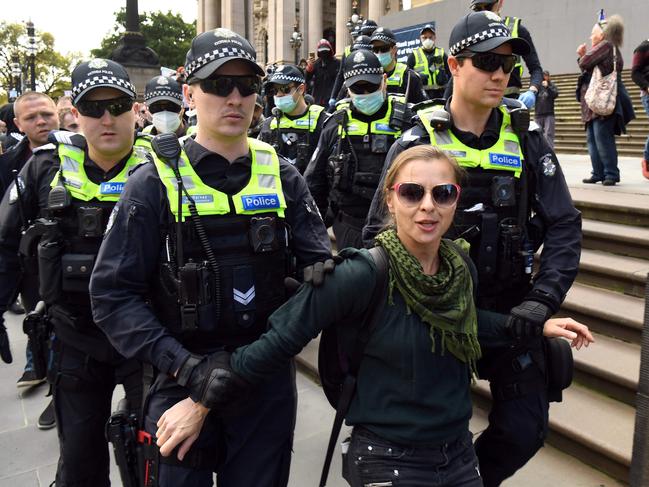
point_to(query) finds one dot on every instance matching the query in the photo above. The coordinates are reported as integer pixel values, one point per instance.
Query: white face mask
(166, 122)
(428, 44)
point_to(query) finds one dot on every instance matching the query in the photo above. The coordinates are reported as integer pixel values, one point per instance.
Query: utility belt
(344, 177)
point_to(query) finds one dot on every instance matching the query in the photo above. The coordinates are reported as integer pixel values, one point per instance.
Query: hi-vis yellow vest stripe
(380, 126)
(262, 194)
(398, 75)
(504, 155)
(422, 67)
(76, 180)
(512, 23)
(308, 122)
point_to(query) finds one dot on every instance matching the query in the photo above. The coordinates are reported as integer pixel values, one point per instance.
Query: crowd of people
(180, 248)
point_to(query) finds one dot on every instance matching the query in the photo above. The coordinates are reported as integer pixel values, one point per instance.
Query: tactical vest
(248, 238)
(422, 67)
(488, 213)
(66, 259)
(354, 179)
(397, 79)
(293, 138)
(515, 79)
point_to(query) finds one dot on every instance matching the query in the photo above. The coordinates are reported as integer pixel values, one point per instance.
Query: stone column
(281, 17)
(375, 10)
(343, 12)
(200, 17)
(211, 14)
(233, 16)
(314, 25)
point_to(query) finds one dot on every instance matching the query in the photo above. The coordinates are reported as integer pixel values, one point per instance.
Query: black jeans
(372, 461)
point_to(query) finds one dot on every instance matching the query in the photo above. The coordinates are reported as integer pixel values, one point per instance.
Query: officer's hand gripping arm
(527, 319)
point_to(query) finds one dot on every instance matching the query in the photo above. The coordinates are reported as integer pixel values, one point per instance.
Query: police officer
(401, 79)
(163, 97)
(73, 184)
(257, 118)
(294, 128)
(345, 168)
(514, 88)
(189, 270)
(367, 28)
(512, 174)
(430, 63)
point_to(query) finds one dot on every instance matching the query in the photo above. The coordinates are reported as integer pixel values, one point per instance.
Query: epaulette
(43, 148)
(57, 137)
(425, 104)
(135, 168)
(408, 136)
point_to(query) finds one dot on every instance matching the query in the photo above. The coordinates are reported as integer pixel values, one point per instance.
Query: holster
(36, 326)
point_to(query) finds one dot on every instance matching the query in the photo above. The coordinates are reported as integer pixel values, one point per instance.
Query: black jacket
(322, 78)
(545, 99)
(15, 158)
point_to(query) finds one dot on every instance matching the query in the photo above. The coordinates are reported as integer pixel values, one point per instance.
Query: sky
(80, 25)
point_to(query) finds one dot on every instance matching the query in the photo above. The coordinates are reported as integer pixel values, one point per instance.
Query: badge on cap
(279, 69)
(163, 81)
(98, 64)
(226, 33)
(359, 57)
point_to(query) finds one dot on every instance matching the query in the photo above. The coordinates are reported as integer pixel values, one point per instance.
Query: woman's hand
(576, 332)
(581, 50)
(180, 425)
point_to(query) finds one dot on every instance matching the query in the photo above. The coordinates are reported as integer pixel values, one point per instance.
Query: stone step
(616, 238)
(596, 429)
(606, 312)
(621, 208)
(583, 149)
(617, 273)
(609, 366)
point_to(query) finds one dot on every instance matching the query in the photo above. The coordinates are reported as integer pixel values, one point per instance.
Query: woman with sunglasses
(412, 404)
(516, 200)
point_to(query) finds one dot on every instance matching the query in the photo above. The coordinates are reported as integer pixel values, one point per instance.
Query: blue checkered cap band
(362, 71)
(216, 54)
(378, 36)
(163, 92)
(103, 81)
(479, 37)
(285, 77)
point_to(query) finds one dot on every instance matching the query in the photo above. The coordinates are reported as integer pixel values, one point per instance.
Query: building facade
(557, 26)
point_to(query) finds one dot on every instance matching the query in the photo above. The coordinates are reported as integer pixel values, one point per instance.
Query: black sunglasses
(363, 88)
(491, 61)
(96, 108)
(444, 195)
(282, 89)
(165, 106)
(378, 49)
(224, 85)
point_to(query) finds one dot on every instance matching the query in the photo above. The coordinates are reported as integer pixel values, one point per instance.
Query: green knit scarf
(444, 301)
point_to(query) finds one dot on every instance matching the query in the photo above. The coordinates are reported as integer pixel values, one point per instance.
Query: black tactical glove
(213, 383)
(527, 319)
(5, 350)
(315, 273)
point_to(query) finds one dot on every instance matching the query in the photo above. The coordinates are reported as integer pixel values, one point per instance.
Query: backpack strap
(364, 332)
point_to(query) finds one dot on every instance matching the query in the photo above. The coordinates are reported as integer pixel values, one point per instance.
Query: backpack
(338, 366)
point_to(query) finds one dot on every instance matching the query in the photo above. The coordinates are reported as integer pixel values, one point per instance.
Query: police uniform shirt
(416, 93)
(549, 199)
(133, 244)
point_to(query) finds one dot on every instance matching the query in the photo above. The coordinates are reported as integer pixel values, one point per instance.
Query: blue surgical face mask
(285, 103)
(385, 58)
(369, 103)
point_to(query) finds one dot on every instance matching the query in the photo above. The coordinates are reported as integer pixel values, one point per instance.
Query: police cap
(212, 49)
(426, 27)
(100, 73)
(163, 88)
(362, 42)
(368, 27)
(475, 3)
(362, 65)
(384, 35)
(285, 74)
(483, 31)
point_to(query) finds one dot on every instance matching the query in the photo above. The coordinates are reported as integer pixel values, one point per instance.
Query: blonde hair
(420, 152)
(614, 30)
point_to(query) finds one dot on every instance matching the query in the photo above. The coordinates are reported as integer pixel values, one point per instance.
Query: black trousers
(518, 421)
(348, 232)
(252, 449)
(83, 388)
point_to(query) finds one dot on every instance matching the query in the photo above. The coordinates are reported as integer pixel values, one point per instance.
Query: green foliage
(52, 68)
(166, 33)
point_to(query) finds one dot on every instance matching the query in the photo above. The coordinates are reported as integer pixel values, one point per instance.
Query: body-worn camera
(263, 234)
(380, 144)
(503, 191)
(399, 115)
(303, 154)
(90, 221)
